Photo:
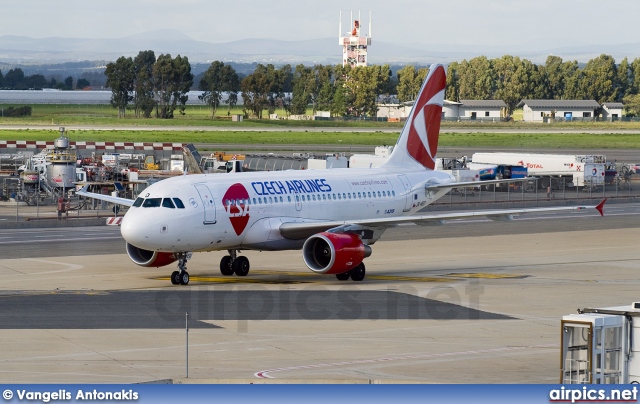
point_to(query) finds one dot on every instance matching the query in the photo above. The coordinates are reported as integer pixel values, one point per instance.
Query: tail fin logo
(424, 130)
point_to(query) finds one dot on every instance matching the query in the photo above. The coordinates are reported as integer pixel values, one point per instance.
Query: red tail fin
(418, 141)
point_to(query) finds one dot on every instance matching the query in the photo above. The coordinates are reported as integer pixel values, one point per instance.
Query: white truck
(555, 170)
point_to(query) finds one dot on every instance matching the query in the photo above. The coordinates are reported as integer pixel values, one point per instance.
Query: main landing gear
(181, 277)
(356, 274)
(232, 263)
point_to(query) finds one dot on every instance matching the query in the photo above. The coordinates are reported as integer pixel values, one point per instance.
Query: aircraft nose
(133, 230)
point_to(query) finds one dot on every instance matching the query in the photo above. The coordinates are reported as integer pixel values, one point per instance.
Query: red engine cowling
(334, 253)
(148, 258)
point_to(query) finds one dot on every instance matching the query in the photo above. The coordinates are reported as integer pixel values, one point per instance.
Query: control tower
(354, 45)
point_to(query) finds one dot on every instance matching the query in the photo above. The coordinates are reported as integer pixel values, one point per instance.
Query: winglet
(600, 207)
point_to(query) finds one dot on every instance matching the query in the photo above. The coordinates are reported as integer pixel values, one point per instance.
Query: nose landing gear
(181, 277)
(232, 263)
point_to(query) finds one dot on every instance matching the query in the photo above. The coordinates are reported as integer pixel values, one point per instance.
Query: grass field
(517, 140)
(199, 115)
(105, 115)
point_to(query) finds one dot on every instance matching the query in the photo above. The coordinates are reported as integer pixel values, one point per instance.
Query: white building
(451, 110)
(481, 109)
(612, 111)
(538, 110)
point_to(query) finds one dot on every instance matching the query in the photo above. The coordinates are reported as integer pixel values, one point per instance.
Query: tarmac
(461, 303)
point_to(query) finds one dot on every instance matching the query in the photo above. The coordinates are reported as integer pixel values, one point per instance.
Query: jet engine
(334, 253)
(148, 258)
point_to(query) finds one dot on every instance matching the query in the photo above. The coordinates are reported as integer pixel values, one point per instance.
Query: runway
(468, 302)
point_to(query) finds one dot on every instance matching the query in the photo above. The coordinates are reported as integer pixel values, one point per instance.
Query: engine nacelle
(148, 258)
(334, 253)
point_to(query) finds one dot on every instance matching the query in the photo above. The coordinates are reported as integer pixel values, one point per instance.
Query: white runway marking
(264, 374)
(70, 267)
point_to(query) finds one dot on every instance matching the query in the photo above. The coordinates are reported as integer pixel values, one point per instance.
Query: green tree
(476, 79)
(143, 84)
(35, 81)
(256, 88)
(14, 79)
(82, 83)
(554, 77)
(599, 78)
(68, 83)
(304, 82)
(365, 84)
(572, 76)
(634, 79)
(453, 82)
(511, 77)
(173, 80)
(624, 80)
(632, 104)
(217, 79)
(342, 95)
(120, 80)
(1, 79)
(322, 101)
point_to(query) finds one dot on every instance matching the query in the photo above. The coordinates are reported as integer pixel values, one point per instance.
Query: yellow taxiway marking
(487, 276)
(236, 279)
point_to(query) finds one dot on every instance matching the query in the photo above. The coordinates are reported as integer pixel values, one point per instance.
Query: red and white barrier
(114, 221)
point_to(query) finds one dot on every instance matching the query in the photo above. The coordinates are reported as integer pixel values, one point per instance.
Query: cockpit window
(138, 202)
(179, 203)
(166, 203)
(152, 203)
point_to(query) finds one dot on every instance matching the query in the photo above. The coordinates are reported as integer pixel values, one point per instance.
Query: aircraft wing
(429, 187)
(302, 230)
(113, 199)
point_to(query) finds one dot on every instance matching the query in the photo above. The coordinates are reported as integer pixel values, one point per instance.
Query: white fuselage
(245, 210)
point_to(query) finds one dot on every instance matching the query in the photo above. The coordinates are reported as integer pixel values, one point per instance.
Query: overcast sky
(540, 23)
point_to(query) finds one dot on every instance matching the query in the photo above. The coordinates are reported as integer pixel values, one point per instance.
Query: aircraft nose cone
(132, 231)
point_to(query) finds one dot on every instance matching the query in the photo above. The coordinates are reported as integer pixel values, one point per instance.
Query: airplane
(333, 215)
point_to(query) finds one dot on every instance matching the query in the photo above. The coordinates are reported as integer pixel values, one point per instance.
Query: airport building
(471, 110)
(543, 110)
(612, 111)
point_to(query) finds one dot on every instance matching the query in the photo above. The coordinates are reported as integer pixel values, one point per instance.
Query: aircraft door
(407, 188)
(206, 196)
(298, 202)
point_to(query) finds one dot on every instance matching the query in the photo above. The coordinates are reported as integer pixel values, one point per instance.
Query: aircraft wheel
(184, 278)
(343, 276)
(241, 266)
(175, 277)
(225, 266)
(357, 273)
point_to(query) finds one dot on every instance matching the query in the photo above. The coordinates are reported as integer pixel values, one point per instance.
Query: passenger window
(379, 196)
(369, 194)
(152, 203)
(339, 196)
(289, 198)
(254, 201)
(334, 197)
(166, 203)
(393, 193)
(314, 197)
(344, 196)
(259, 200)
(324, 197)
(138, 202)
(281, 200)
(178, 203)
(270, 200)
(349, 195)
(297, 198)
(359, 195)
